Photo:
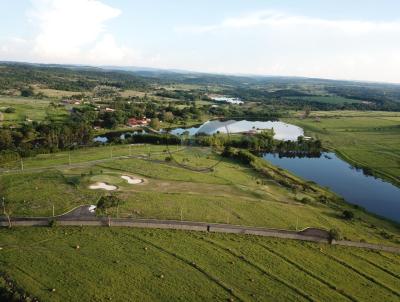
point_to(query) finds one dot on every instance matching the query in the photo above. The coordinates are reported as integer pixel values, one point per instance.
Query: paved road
(83, 216)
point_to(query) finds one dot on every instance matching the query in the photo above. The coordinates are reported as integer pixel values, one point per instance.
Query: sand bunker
(102, 186)
(132, 180)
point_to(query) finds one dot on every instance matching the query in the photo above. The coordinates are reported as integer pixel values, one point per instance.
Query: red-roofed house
(138, 122)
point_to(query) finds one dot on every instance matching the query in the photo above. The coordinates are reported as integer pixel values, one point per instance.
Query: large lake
(283, 131)
(375, 195)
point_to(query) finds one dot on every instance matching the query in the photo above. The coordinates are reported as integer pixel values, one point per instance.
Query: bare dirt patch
(132, 180)
(102, 186)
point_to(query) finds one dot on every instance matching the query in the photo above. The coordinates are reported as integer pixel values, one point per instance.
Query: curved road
(84, 216)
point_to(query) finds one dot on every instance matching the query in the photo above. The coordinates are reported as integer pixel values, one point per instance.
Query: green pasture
(369, 140)
(336, 100)
(121, 264)
(29, 109)
(230, 193)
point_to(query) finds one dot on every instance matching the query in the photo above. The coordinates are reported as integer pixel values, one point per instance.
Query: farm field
(54, 93)
(365, 139)
(231, 193)
(94, 264)
(29, 109)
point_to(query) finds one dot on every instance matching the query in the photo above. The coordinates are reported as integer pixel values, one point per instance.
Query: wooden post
(22, 165)
(6, 214)
(53, 210)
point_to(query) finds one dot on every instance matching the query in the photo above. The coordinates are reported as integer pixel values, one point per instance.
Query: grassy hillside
(152, 265)
(231, 193)
(336, 100)
(366, 139)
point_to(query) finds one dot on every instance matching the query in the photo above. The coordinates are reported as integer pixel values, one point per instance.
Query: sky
(341, 39)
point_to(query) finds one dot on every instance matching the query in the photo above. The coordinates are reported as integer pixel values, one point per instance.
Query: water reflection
(353, 184)
(283, 131)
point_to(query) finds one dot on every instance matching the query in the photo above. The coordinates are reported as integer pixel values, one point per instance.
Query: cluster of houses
(71, 102)
(133, 122)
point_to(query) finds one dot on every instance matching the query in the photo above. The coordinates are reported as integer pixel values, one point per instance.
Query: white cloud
(13, 48)
(274, 19)
(67, 26)
(278, 43)
(108, 49)
(71, 32)
(74, 31)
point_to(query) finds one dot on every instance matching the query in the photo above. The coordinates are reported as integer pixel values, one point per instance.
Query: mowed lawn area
(366, 139)
(231, 193)
(121, 264)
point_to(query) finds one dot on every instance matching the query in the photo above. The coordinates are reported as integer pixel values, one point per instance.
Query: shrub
(109, 201)
(305, 200)
(168, 159)
(323, 199)
(74, 180)
(9, 110)
(386, 235)
(27, 92)
(334, 234)
(52, 223)
(348, 215)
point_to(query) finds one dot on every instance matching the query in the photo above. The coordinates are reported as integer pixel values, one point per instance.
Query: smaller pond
(283, 131)
(122, 135)
(375, 195)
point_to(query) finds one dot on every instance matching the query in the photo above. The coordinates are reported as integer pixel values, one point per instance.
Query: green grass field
(122, 264)
(29, 109)
(232, 193)
(366, 139)
(327, 99)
